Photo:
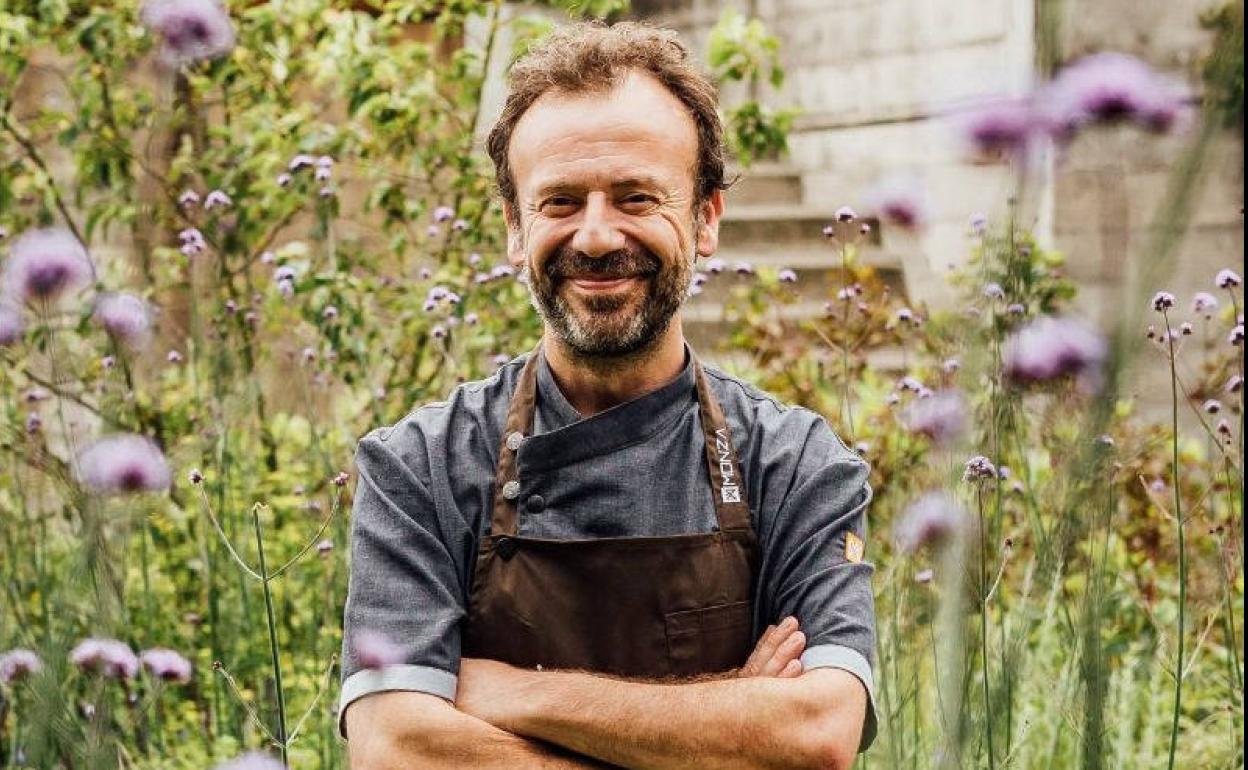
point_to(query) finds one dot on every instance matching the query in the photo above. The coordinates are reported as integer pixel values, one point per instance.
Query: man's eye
(638, 200)
(560, 204)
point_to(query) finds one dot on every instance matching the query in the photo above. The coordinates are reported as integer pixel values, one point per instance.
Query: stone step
(763, 184)
(765, 226)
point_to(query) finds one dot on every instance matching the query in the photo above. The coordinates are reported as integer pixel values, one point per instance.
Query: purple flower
(979, 223)
(195, 477)
(438, 332)
(33, 422)
(1015, 308)
(192, 241)
(300, 162)
(325, 192)
(1106, 88)
(1204, 302)
(899, 200)
(123, 463)
(323, 174)
(1212, 406)
(929, 520)
(284, 179)
(787, 276)
(1236, 337)
(905, 315)
(994, 291)
(125, 317)
(443, 214)
(167, 665)
(1227, 279)
(978, 468)
(1163, 300)
(845, 214)
(216, 199)
(471, 319)
(1234, 384)
(924, 576)
(950, 365)
(1049, 348)
(16, 665)
(374, 649)
(999, 127)
(106, 657)
(44, 263)
(325, 546)
(459, 225)
(716, 266)
(910, 383)
(341, 478)
(192, 30)
(329, 313)
(743, 268)
(11, 325)
(188, 198)
(173, 357)
(1224, 427)
(252, 760)
(941, 417)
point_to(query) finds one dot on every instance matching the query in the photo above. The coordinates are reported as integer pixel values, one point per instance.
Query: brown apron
(649, 607)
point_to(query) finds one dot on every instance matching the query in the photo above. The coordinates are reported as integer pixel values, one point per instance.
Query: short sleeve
(817, 567)
(403, 581)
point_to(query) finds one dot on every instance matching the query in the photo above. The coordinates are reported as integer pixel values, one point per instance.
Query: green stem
(273, 651)
(1178, 516)
(983, 623)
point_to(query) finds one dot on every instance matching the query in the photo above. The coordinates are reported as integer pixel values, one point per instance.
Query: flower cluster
(191, 30)
(123, 463)
(1097, 89)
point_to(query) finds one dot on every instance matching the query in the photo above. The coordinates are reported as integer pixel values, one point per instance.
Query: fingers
(791, 669)
(775, 652)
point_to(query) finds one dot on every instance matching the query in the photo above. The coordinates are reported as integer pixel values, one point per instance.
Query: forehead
(636, 129)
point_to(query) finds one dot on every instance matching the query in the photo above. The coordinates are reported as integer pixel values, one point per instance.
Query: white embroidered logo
(729, 491)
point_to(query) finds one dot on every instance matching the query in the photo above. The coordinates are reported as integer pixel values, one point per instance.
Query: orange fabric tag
(854, 548)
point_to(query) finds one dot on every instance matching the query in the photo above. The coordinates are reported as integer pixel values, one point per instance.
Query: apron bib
(647, 607)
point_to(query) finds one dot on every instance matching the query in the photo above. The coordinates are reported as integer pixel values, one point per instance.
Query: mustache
(629, 261)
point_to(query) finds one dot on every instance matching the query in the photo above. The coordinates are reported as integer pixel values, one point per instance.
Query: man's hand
(778, 653)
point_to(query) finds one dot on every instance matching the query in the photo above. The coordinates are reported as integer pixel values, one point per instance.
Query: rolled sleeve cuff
(434, 681)
(847, 659)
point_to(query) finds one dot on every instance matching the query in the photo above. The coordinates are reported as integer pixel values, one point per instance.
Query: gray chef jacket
(426, 487)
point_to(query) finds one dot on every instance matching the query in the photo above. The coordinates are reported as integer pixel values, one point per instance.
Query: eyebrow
(635, 181)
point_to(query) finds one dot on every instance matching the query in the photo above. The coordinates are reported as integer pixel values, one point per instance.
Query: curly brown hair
(593, 57)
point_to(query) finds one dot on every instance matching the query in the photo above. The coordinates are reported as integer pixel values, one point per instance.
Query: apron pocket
(709, 639)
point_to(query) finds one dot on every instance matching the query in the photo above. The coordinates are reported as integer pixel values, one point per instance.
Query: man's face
(606, 228)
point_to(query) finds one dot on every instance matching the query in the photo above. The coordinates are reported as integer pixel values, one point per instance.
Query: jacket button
(505, 547)
(511, 490)
(514, 440)
(535, 503)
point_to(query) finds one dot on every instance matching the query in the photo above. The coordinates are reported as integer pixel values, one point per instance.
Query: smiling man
(601, 555)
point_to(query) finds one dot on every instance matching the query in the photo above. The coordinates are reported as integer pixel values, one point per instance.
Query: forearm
(401, 734)
(729, 723)
(477, 744)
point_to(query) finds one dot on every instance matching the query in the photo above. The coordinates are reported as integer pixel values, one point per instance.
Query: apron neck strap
(727, 487)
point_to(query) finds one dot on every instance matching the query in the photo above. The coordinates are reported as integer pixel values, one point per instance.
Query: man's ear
(515, 239)
(711, 210)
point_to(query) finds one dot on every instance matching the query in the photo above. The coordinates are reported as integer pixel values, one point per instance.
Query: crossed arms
(766, 715)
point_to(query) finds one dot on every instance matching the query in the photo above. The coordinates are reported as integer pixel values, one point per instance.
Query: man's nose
(596, 234)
